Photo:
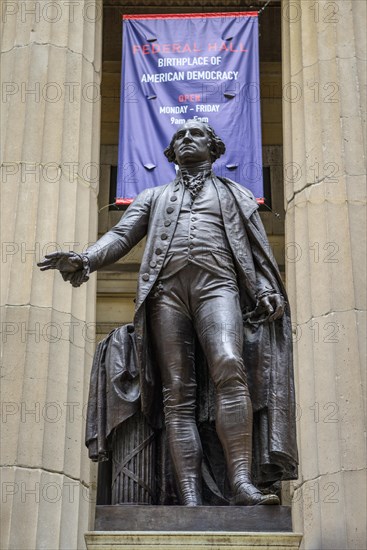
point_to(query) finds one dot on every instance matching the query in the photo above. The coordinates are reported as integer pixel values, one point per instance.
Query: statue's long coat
(268, 346)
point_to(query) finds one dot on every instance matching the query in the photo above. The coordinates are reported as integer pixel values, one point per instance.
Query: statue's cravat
(195, 182)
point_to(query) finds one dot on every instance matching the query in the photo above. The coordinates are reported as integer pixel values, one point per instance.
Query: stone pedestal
(50, 154)
(201, 518)
(144, 540)
(324, 126)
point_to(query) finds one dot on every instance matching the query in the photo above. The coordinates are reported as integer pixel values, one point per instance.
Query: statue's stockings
(234, 428)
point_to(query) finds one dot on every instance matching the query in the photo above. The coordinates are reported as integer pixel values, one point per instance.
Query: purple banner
(191, 66)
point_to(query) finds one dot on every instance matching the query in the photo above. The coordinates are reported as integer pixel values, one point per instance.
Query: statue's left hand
(273, 305)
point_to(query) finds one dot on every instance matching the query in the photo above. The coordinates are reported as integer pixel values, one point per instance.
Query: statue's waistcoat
(200, 236)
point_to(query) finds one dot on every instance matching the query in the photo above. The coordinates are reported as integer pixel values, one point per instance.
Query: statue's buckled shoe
(248, 495)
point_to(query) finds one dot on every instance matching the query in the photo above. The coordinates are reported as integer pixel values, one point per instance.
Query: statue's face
(192, 144)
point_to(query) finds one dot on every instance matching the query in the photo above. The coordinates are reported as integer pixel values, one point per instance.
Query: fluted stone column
(324, 78)
(51, 68)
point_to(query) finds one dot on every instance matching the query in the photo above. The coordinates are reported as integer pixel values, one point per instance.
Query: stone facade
(325, 201)
(51, 70)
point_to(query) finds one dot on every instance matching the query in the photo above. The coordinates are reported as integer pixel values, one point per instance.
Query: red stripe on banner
(123, 202)
(191, 15)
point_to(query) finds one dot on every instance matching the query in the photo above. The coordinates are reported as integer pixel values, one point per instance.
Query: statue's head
(194, 142)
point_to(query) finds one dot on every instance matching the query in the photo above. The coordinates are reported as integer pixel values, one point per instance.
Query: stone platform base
(193, 528)
(170, 540)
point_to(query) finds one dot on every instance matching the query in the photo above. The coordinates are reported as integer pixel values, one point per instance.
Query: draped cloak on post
(267, 346)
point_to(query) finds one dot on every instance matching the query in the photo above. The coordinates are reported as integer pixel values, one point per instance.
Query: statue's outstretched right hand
(66, 262)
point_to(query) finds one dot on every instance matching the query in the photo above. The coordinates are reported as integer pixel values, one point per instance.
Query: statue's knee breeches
(228, 373)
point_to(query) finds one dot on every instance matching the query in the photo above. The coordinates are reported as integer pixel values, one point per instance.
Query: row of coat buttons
(153, 263)
(167, 223)
(164, 237)
(192, 236)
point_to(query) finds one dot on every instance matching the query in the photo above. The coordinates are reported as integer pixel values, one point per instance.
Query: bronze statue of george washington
(207, 276)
